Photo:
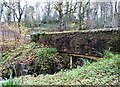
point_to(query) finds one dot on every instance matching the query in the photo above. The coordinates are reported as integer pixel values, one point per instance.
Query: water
(2, 82)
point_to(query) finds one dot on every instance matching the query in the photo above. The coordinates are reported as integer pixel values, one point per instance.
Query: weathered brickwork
(92, 43)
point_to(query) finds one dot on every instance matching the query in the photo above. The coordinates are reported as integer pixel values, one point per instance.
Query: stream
(2, 82)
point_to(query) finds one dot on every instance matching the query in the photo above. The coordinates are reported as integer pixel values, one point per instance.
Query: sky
(33, 2)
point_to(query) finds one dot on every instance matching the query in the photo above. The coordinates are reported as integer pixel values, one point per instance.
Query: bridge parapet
(85, 42)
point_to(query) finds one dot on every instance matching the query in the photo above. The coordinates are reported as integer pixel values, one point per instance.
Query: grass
(103, 72)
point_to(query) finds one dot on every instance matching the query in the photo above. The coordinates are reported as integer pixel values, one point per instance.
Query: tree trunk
(80, 16)
(61, 22)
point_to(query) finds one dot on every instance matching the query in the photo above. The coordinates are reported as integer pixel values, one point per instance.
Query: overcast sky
(33, 2)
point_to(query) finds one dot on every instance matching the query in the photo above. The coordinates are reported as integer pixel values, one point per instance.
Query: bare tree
(111, 12)
(38, 11)
(26, 15)
(47, 10)
(17, 9)
(80, 15)
(83, 11)
(1, 10)
(66, 15)
(58, 7)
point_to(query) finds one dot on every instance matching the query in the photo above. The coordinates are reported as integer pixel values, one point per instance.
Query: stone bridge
(84, 42)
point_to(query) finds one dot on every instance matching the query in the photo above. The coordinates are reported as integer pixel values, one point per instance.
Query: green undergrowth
(36, 59)
(22, 51)
(103, 72)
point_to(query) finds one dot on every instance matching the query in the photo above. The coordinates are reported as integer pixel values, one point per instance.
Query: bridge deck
(84, 31)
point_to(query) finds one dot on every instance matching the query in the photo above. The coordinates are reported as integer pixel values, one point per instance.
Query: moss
(34, 37)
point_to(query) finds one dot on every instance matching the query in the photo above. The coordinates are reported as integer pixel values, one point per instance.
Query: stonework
(92, 43)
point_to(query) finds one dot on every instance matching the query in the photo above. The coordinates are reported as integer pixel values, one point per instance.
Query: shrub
(46, 52)
(34, 37)
(45, 60)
